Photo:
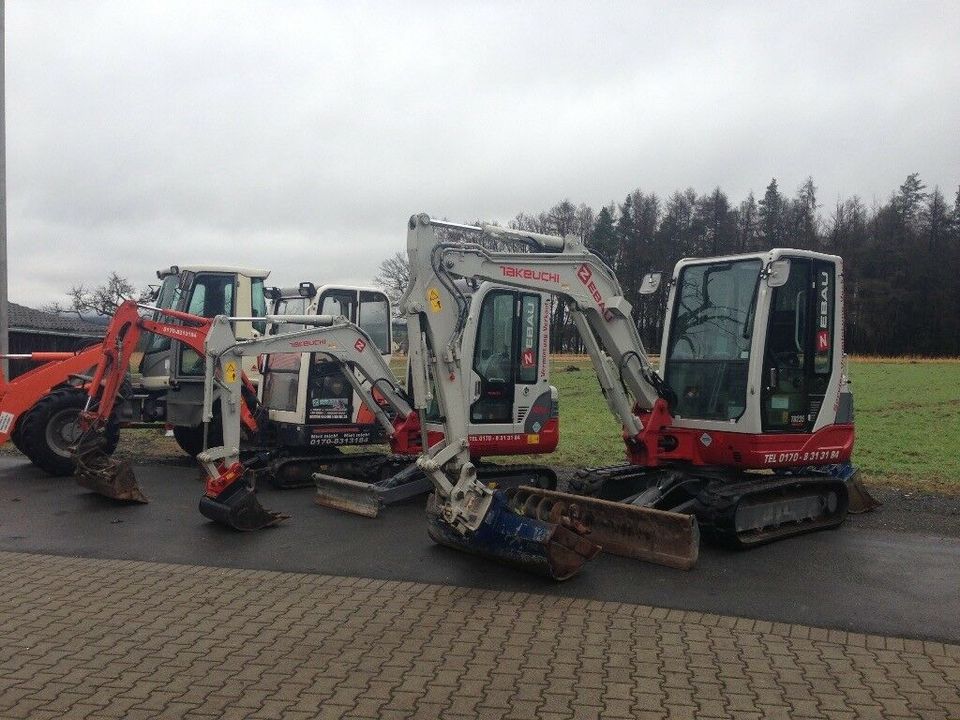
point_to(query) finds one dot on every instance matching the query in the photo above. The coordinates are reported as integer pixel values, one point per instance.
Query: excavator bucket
(655, 536)
(237, 507)
(557, 550)
(105, 476)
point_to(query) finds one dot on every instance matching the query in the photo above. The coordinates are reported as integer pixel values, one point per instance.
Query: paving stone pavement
(83, 638)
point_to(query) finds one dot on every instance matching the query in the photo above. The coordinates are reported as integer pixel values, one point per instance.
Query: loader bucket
(544, 548)
(237, 507)
(655, 536)
(105, 476)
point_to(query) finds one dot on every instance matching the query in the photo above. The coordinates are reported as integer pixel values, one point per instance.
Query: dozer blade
(655, 536)
(237, 507)
(861, 501)
(351, 496)
(368, 499)
(551, 549)
(108, 477)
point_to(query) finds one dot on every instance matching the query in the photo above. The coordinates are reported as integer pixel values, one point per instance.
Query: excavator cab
(752, 352)
(167, 375)
(310, 403)
(513, 407)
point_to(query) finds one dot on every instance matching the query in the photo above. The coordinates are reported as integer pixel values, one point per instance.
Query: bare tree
(394, 276)
(101, 300)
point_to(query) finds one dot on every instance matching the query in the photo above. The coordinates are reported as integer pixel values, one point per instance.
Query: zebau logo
(585, 274)
(359, 345)
(528, 274)
(823, 334)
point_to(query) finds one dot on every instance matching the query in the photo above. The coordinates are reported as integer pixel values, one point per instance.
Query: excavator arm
(229, 500)
(469, 515)
(95, 470)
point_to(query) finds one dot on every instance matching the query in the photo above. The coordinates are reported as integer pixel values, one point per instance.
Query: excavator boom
(96, 470)
(436, 320)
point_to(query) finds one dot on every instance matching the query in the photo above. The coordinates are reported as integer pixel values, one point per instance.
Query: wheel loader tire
(50, 429)
(190, 439)
(15, 435)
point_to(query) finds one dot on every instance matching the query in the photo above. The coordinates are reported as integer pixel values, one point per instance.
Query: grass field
(907, 417)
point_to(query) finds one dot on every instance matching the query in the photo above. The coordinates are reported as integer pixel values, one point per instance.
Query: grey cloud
(301, 135)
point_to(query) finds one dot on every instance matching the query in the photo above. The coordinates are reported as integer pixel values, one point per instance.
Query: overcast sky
(301, 136)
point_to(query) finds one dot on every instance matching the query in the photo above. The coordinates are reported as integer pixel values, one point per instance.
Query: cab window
(492, 358)
(708, 353)
(506, 352)
(339, 302)
(374, 319)
(798, 361)
(258, 305)
(291, 306)
(169, 299)
(212, 295)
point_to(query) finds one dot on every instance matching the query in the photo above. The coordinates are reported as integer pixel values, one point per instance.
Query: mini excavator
(745, 433)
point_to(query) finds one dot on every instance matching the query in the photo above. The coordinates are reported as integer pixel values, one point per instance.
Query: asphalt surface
(859, 579)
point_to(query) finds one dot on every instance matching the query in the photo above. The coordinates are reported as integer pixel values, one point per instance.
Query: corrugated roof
(25, 319)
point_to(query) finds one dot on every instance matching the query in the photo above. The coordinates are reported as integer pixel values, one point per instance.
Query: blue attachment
(533, 545)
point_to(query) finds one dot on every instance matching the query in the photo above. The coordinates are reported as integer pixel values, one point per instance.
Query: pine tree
(772, 216)
(748, 221)
(603, 238)
(806, 228)
(908, 201)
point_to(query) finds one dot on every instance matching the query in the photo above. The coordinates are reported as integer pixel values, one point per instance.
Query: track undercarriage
(738, 509)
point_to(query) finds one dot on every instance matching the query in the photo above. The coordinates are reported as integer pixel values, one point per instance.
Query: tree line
(901, 257)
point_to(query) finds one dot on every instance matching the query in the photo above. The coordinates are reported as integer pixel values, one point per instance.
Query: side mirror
(778, 272)
(650, 283)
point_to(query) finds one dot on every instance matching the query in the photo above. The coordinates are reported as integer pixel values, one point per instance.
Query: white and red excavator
(745, 433)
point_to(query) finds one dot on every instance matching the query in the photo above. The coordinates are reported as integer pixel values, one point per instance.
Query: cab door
(494, 359)
(798, 358)
(510, 382)
(335, 413)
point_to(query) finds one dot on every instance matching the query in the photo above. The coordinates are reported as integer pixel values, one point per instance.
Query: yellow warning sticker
(230, 372)
(433, 297)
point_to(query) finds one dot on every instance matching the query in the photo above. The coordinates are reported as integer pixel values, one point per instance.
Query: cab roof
(231, 269)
